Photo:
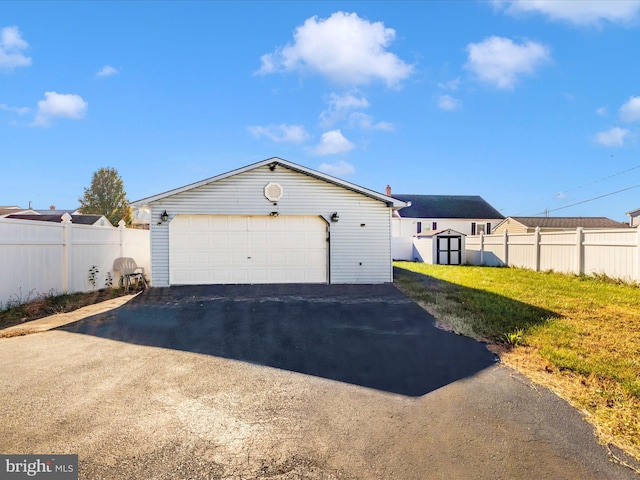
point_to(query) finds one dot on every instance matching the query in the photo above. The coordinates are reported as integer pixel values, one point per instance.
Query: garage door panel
(220, 258)
(258, 224)
(199, 222)
(218, 240)
(247, 249)
(218, 222)
(237, 239)
(277, 239)
(237, 224)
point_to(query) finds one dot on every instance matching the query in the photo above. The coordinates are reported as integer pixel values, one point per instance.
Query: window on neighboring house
(434, 225)
(488, 228)
(418, 227)
(480, 228)
(473, 228)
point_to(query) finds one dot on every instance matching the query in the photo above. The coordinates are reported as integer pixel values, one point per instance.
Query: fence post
(121, 226)
(67, 242)
(579, 251)
(506, 248)
(638, 257)
(536, 243)
(481, 248)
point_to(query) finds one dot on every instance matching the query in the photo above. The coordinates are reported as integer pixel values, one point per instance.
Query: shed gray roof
(569, 222)
(447, 206)
(77, 219)
(391, 201)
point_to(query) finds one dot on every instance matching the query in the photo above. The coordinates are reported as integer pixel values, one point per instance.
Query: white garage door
(217, 249)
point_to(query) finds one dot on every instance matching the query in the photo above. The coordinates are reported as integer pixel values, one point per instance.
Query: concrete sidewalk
(60, 319)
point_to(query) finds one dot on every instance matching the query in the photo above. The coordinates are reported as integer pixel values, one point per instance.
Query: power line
(599, 180)
(589, 200)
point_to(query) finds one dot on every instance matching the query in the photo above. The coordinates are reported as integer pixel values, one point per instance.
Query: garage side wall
(360, 242)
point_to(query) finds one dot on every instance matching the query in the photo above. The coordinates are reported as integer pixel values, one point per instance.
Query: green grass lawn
(579, 336)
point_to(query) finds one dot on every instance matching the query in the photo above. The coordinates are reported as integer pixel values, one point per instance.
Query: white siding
(360, 247)
(424, 249)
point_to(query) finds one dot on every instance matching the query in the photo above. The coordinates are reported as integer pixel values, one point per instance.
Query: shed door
(449, 250)
(228, 249)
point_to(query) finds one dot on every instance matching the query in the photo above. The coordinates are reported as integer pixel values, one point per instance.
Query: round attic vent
(273, 191)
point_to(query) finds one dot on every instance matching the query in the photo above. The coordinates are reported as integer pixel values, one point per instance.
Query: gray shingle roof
(569, 222)
(447, 206)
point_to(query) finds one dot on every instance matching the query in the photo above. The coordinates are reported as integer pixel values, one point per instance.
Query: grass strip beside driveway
(579, 336)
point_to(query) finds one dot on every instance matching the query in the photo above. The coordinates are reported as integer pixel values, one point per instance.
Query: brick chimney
(388, 190)
(52, 207)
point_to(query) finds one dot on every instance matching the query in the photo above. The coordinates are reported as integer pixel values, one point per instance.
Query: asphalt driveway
(283, 382)
(372, 336)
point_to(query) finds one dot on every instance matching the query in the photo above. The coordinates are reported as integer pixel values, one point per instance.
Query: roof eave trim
(390, 201)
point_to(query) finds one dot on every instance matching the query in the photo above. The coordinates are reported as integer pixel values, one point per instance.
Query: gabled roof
(567, 222)
(275, 161)
(77, 219)
(434, 233)
(11, 209)
(57, 212)
(633, 212)
(447, 206)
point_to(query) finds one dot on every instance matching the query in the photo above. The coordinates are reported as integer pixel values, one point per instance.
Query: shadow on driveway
(367, 335)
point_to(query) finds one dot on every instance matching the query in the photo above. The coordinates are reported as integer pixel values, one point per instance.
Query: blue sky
(532, 105)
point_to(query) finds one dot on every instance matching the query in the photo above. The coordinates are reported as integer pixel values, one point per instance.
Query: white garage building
(270, 222)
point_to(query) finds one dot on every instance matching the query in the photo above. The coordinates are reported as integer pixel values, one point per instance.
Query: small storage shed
(270, 222)
(441, 247)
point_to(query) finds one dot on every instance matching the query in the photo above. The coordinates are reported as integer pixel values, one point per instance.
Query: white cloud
(107, 71)
(630, 111)
(333, 143)
(344, 48)
(281, 133)
(11, 49)
(447, 102)
(18, 110)
(602, 111)
(581, 12)
(340, 168)
(339, 107)
(59, 105)
(451, 84)
(365, 122)
(500, 61)
(614, 137)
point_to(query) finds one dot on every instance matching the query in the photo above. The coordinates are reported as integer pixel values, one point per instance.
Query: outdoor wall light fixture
(274, 214)
(335, 217)
(272, 166)
(164, 216)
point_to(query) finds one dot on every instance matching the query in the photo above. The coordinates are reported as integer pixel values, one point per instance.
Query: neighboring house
(13, 209)
(634, 217)
(466, 214)
(555, 224)
(270, 222)
(141, 218)
(78, 219)
(54, 211)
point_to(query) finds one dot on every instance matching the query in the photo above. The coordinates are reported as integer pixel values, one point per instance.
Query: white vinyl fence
(39, 258)
(615, 253)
